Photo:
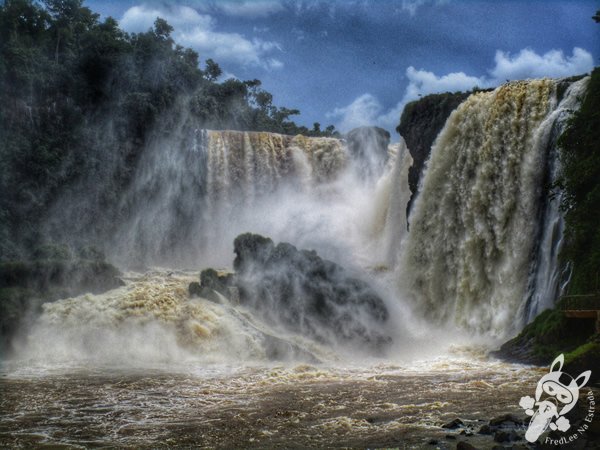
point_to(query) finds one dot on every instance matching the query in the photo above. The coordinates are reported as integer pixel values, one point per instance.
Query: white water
(191, 196)
(189, 202)
(470, 265)
(549, 279)
(472, 245)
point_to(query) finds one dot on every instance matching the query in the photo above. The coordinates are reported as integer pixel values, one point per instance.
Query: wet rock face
(305, 294)
(421, 122)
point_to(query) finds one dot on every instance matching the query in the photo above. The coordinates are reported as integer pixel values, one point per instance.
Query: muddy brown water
(295, 406)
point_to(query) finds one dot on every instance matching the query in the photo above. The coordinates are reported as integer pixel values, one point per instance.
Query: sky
(353, 63)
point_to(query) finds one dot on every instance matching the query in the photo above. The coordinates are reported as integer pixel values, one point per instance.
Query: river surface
(294, 406)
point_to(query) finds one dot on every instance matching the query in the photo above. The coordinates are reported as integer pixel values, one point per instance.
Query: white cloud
(367, 110)
(528, 64)
(195, 30)
(422, 82)
(141, 18)
(364, 110)
(250, 8)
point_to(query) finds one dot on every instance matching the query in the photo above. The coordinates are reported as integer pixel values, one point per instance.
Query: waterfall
(473, 245)
(390, 201)
(549, 278)
(192, 193)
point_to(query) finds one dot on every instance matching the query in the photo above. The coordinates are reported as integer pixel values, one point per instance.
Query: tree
(212, 71)
(264, 100)
(80, 98)
(162, 29)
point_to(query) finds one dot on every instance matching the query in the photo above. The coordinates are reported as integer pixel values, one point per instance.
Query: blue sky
(354, 63)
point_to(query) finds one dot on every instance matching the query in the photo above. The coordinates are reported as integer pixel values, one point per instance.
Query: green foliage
(75, 88)
(585, 357)
(553, 333)
(581, 350)
(580, 181)
(212, 71)
(550, 334)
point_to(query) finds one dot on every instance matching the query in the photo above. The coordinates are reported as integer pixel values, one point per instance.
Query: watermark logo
(556, 394)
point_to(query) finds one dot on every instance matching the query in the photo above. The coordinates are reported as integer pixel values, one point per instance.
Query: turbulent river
(282, 406)
(148, 365)
(144, 366)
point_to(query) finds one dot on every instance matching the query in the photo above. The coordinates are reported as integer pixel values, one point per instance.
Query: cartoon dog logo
(555, 395)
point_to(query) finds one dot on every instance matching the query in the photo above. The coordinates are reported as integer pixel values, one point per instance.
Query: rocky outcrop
(26, 285)
(421, 122)
(307, 294)
(368, 146)
(549, 335)
(212, 283)
(300, 292)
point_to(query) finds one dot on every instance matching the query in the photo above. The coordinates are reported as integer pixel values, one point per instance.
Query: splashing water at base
(145, 365)
(153, 321)
(469, 256)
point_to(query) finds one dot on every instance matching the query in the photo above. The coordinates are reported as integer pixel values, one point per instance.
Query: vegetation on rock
(580, 181)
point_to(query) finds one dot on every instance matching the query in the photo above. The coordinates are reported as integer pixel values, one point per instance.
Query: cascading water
(191, 196)
(481, 250)
(148, 364)
(549, 278)
(472, 247)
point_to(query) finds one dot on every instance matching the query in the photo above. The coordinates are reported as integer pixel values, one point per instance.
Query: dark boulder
(506, 420)
(485, 429)
(421, 122)
(194, 289)
(501, 436)
(305, 294)
(212, 283)
(251, 249)
(453, 424)
(220, 282)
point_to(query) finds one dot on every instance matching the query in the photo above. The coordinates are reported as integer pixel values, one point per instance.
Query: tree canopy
(74, 88)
